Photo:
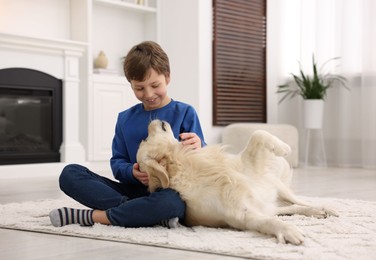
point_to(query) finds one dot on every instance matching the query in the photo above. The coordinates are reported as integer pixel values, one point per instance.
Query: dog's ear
(158, 176)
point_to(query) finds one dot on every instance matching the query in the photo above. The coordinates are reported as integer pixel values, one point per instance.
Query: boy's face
(152, 92)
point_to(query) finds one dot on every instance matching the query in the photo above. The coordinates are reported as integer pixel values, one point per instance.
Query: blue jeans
(125, 205)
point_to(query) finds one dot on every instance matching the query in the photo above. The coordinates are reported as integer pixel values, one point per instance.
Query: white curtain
(334, 28)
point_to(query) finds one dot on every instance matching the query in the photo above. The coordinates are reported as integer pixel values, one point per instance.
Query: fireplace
(30, 116)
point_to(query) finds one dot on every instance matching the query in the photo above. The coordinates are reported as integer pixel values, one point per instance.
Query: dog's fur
(245, 191)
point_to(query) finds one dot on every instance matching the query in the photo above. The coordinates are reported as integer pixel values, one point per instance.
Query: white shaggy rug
(351, 236)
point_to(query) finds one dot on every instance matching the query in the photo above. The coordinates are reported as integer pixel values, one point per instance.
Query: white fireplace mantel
(41, 45)
(60, 59)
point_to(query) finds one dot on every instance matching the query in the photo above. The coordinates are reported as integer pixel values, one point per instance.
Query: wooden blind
(239, 61)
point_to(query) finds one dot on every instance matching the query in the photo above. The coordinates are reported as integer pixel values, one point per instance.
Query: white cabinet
(111, 26)
(110, 97)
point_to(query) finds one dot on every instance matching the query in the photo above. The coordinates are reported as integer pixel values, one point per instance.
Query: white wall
(186, 35)
(34, 14)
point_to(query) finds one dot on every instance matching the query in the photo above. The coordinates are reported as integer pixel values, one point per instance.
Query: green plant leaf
(314, 87)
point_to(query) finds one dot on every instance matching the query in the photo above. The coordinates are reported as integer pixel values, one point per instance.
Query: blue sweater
(132, 127)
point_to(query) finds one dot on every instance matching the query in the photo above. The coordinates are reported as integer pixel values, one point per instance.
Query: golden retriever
(245, 191)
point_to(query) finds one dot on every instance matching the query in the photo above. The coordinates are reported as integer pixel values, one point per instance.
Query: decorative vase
(101, 61)
(313, 113)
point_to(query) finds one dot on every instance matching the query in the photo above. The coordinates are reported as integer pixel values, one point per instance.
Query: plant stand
(308, 142)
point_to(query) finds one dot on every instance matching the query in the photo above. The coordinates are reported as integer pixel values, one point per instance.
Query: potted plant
(313, 90)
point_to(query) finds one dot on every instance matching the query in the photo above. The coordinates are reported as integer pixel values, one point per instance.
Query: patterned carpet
(351, 236)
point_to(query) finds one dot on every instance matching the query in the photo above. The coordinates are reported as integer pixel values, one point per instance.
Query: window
(239, 61)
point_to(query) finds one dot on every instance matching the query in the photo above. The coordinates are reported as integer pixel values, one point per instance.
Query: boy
(127, 202)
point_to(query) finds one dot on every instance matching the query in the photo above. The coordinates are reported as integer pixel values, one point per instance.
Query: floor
(317, 182)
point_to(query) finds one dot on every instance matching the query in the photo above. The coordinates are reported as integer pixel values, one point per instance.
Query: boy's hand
(141, 176)
(191, 139)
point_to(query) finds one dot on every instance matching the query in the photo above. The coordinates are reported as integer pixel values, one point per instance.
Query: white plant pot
(313, 113)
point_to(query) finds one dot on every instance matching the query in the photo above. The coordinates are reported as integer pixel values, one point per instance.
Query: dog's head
(154, 154)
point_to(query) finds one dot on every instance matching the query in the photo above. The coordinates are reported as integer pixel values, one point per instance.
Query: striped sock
(170, 223)
(65, 216)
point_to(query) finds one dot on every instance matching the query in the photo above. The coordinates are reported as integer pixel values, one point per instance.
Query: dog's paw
(281, 149)
(329, 212)
(321, 212)
(271, 142)
(290, 234)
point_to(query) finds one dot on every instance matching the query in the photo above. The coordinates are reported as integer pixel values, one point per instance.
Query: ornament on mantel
(101, 61)
(140, 2)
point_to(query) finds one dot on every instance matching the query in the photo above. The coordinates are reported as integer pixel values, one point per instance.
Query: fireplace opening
(30, 116)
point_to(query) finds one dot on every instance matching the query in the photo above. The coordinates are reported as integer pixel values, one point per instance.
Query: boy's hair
(143, 57)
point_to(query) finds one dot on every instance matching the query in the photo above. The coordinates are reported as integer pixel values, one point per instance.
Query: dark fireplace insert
(30, 116)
